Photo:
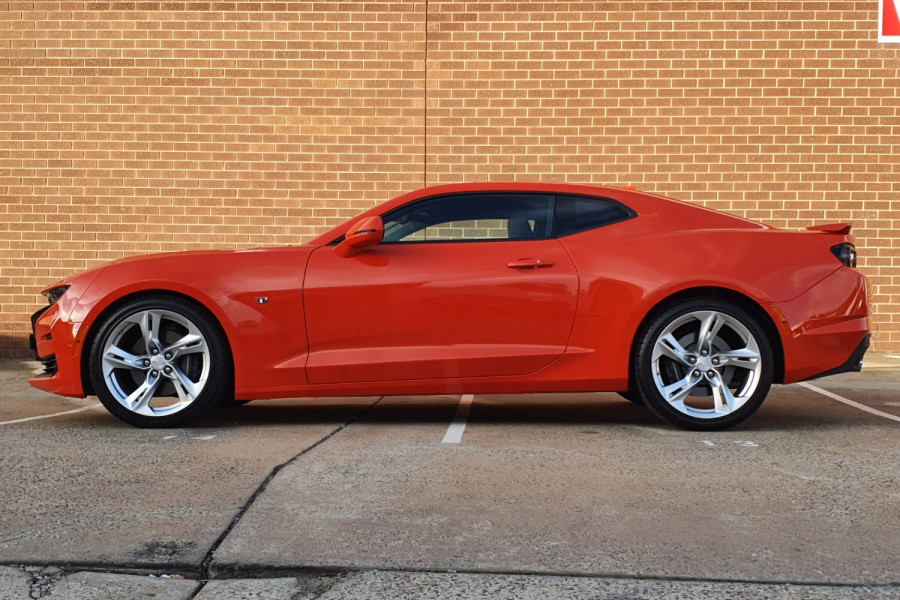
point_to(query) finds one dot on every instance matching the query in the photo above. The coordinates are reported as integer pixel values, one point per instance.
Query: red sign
(889, 21)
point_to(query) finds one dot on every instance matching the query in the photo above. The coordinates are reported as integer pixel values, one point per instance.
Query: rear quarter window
(575, 214)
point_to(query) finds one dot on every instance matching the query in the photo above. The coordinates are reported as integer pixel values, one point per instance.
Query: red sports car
(477, 288)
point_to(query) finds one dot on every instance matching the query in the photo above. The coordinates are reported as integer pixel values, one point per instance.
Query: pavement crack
(202, 584)
(318, 589)
(207, 560)
(41, 580)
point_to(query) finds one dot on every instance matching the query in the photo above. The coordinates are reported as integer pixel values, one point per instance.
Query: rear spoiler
(840, 228)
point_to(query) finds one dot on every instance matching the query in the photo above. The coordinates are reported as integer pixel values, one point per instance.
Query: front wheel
(703, 365)
(159, 361)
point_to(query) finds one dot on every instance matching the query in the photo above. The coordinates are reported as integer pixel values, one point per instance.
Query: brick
(129, 127)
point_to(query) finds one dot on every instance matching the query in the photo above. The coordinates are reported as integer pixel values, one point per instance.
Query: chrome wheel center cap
(704, 363)
(158, 362)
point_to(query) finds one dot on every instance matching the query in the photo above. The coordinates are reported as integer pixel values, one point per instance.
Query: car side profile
(481, 288)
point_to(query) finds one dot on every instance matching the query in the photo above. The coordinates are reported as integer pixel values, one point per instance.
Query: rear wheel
(159, 361)
(704, 365)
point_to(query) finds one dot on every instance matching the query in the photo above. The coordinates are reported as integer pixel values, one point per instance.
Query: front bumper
(53, 342)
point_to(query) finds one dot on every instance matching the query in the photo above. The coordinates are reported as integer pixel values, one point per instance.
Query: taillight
(845, 253)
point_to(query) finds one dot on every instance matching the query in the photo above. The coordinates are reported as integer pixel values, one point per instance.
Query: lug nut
(154, 373)
(696, 373)
(154, 352)
(710, 373)
(146, 362)
(168, 370)
(704, 352)
(168, 356)
(692, 360)
(715, 361)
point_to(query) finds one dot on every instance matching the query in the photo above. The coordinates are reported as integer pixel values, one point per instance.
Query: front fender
(256, 297)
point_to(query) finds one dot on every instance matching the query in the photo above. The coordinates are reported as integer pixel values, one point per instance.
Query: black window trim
(629, 213)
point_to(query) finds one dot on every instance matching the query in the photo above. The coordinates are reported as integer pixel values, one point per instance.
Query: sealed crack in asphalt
(41, 580)
(207, 560)
(310, 585)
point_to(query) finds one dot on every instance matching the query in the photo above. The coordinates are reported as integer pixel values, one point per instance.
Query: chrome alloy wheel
(706, 364)
(155, 362)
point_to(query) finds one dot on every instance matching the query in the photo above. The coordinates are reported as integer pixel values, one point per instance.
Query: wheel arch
(718, 293)
(96, 323)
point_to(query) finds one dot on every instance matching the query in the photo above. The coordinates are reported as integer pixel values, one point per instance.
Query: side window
(471, 217)
(580, 213)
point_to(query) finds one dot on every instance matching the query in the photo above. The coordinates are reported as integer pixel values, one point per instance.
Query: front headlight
(54, 294)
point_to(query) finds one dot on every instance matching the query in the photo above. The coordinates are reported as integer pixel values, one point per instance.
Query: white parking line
(458, 426)
(849, 402)
(68, 412)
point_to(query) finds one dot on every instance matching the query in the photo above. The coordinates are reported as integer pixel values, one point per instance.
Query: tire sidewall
(643, 374)
(218, 381)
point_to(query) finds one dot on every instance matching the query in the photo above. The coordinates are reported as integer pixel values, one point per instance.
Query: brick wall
(133, 127)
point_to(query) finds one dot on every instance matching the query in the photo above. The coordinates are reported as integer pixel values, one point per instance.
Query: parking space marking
(458, 426)
(68, 412)
(849, 402)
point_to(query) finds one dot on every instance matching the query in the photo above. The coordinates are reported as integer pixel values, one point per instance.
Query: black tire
(632, 396)
(230, 402)
(199, 374)
(746, 379)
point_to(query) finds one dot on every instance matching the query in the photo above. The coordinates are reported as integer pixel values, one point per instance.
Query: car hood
(201, 254)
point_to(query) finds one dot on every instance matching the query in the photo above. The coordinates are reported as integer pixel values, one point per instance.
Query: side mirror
(366, 232)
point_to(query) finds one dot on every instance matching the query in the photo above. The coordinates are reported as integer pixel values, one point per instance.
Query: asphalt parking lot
(542, 496)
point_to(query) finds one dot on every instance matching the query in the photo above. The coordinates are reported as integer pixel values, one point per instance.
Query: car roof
(642, 202)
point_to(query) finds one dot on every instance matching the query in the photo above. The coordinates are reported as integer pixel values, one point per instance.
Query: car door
(468, 285)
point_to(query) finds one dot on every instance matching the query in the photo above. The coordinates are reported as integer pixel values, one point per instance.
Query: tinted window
(471, 217)
(580, 213)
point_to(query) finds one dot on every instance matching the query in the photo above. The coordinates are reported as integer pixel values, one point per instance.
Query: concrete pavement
(564, 496)
(381, 585)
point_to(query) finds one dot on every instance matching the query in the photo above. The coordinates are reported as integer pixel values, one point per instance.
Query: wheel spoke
(116, 357)
(710, 325)
(744, 358)
(724, 401)
(669, 346)
(149, 323)
(189, 344)
(139, 400)
(679, 390)
(186, 389)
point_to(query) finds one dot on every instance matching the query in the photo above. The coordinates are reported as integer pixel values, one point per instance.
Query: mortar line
(207, 560)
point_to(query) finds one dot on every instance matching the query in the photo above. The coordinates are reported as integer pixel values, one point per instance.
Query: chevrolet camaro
(484, 288)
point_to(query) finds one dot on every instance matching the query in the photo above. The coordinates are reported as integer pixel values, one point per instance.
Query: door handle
(530, 263)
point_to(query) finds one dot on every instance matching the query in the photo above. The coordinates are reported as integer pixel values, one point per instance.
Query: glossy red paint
(444, 311)
(558, 314)
(366, 232)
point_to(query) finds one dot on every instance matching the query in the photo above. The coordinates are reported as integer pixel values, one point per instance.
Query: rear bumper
(853, 364)
(53, 342)
(825, 330)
